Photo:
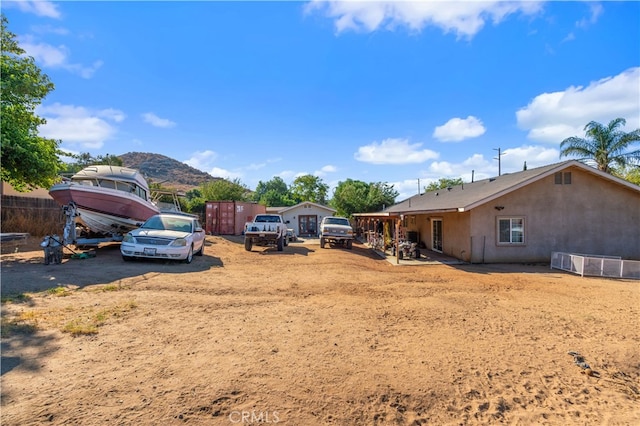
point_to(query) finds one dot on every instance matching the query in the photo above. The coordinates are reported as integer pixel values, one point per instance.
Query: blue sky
(397, 92)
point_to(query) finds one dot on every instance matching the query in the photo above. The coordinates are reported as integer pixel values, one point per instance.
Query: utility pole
(498, 158)
(418, 186)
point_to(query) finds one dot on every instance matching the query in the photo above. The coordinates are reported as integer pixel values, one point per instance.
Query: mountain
(161, 169)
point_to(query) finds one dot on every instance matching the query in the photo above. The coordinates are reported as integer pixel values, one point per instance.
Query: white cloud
(465, 19)
(156, 121)
(552, 117)
(202, 160)
(394, 151)
(595, 10)
(458, 129)
(325, 170)
(56, 57)
(289, 175)
(49, 29)
(39, 7)
(536, 156)
(76, 125)
(475, 167)
(223, 173)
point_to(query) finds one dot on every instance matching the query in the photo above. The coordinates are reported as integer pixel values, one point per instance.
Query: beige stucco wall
(7, 189)
(590, 216)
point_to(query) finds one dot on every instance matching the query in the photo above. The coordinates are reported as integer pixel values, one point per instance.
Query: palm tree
(606, 145)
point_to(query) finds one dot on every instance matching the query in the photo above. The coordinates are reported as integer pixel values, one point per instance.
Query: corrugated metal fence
(595, 265)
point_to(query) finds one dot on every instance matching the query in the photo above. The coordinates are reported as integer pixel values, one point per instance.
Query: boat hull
(104, 210)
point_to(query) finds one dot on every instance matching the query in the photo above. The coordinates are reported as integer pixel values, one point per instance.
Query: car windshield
(168, 223)
(337, 221)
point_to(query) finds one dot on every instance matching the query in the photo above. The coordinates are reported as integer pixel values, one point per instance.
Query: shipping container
(229, 217)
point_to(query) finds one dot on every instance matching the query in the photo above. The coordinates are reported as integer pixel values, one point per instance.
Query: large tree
(355, 196)
(309, 188)
(224, 190)
(28, 160)
(85, 159)
(443, 183)
(606, 145)
(273, 193)
(630, 173)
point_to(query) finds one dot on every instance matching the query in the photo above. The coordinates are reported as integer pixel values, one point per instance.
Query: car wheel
(189, 257)
(280, 243)
(127, 258)
(349, 244)
(321, 242)
(248, 244)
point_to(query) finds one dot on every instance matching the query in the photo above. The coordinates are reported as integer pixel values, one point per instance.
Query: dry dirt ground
(312, 336)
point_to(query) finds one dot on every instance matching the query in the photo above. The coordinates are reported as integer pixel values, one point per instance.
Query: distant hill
(161, 169)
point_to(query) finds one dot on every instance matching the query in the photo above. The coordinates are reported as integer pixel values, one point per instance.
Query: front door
(436, 235)
(308, 225)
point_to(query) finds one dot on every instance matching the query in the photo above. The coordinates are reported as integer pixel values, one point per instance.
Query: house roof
(286, 209)
(467, 196)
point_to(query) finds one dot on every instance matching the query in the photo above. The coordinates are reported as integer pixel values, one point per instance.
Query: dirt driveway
(313, 336)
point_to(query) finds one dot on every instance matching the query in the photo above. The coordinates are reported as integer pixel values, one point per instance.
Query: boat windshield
(168, 223)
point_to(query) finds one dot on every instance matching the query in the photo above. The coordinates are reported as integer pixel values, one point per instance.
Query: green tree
(195, 202)
(28, 160)
(224, 190)
(85, 159)
(272, 193)
(355, 196)
(630, 173)
(309, 188)
(380, 195)
(606, 145)
(443, 183)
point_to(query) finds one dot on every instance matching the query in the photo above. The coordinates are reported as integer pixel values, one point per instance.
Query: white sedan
(170, 236)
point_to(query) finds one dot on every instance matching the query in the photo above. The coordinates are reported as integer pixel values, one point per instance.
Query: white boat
(104, 201)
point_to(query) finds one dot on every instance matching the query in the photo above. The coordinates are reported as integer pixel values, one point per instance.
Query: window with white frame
(511, 230)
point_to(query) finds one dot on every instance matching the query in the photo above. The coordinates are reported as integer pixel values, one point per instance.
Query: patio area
(427, 257)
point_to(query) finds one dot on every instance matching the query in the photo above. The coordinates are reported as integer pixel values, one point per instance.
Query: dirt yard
(312, 336)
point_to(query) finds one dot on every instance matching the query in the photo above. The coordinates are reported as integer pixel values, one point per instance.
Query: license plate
(149, 251)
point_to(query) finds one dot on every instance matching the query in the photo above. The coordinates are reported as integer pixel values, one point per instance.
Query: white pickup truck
(266, 229)
(336, 230)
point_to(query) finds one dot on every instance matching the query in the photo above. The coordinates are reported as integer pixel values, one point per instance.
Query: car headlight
(128, 239)
(180, 242)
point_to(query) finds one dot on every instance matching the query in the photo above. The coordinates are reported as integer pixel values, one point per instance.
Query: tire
(349, 244)
(280, 243)
(127, 258)
(248, 244)
(201, 251)
(189, 257)
(322, 242)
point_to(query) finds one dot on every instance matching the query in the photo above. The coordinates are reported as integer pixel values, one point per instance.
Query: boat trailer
(70, 232)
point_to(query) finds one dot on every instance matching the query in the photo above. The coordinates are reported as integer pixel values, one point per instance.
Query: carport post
(398, 240)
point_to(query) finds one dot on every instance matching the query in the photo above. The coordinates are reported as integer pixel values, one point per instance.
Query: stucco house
(304, 218)
(524, 216)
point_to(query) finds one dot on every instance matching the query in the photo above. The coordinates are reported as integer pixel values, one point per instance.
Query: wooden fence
(36, 216)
